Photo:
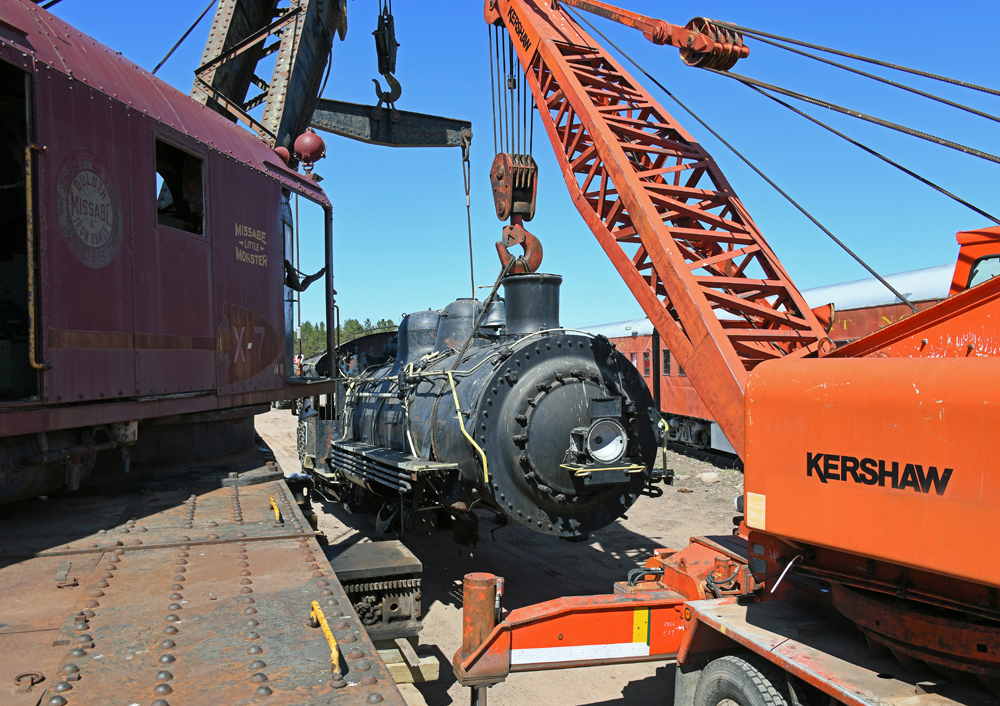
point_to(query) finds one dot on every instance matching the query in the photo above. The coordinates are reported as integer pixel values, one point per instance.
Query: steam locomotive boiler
(549, 427)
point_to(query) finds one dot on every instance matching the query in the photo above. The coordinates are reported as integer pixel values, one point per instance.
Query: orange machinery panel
(890, 458)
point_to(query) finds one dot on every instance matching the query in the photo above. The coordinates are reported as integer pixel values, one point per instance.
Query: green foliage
(351, 329)
(314, 336)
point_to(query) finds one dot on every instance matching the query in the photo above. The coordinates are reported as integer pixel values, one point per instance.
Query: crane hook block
(530, 261)
(515, 185)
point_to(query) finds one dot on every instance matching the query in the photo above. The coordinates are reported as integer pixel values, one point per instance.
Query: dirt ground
(538, 568)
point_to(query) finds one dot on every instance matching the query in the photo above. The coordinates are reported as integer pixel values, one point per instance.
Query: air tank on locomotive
(549, 427)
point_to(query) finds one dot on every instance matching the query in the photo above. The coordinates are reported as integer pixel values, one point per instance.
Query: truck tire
(743, 680)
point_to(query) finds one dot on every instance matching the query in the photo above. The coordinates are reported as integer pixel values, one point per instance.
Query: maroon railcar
(142, 250)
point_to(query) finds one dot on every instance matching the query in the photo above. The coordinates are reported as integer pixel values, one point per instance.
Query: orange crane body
(864, 469)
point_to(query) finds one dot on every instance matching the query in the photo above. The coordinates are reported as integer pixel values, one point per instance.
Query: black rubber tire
(748, 680)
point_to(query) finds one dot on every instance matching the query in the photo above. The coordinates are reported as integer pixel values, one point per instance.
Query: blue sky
(399, 222)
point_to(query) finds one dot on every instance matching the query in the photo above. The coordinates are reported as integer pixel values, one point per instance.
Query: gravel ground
(538, 568)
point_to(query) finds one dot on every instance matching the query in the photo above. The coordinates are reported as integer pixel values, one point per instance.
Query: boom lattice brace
(663, 212)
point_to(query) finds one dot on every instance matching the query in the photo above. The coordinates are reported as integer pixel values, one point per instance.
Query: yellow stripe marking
(640, 625)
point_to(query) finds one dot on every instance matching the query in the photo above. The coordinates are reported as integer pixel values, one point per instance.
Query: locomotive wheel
(742, 680)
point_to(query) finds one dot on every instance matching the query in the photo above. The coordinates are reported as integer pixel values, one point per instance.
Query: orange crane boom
(664, 213)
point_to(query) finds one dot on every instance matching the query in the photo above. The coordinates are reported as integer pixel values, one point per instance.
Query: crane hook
(530, 261)
(392, 95)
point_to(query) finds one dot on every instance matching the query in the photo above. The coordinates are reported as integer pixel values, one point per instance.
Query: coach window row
(665, 368)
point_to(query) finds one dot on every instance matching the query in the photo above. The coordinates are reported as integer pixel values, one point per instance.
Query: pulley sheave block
(514, 178)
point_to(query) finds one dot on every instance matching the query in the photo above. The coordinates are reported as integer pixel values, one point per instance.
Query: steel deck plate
(186, 596)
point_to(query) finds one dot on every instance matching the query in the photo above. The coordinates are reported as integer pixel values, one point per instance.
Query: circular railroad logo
(89, 209)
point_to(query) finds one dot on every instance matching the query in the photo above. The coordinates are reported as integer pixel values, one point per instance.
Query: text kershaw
(870, 471)
(518, 28)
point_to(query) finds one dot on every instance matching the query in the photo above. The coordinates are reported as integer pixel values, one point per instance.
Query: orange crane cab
(859, 573)
(978, 258)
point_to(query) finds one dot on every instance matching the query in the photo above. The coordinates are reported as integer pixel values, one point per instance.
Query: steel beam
(382, 126)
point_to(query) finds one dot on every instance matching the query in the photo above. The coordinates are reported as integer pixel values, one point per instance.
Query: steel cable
(750, 164)
(493, 97)
(746, 80)
(179, 41)
(874, 153)
(859, 57)
(882, 79)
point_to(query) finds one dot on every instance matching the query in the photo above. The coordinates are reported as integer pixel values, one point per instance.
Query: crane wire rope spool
(879, 155)
(745, 160)
(858, 57)
(763, 89)
(466, 139)
(746, 80)
(514, 173)
(882, 79)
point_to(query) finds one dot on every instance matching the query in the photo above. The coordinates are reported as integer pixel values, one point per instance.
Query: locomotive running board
(373, 464)
(181, 593)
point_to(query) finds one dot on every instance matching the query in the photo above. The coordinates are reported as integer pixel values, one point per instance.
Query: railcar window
(680, 371)
(635, 359)
(645, 364)
(180, 200)
(985, 268)
(666, 362)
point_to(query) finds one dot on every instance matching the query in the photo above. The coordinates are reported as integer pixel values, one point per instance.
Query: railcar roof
(57, 46)
(929, 283)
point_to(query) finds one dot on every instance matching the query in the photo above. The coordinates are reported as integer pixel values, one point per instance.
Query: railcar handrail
(30, 226)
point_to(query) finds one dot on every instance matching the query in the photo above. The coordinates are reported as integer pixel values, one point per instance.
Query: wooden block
(428, 668)
(409, 654)
(411, 695)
